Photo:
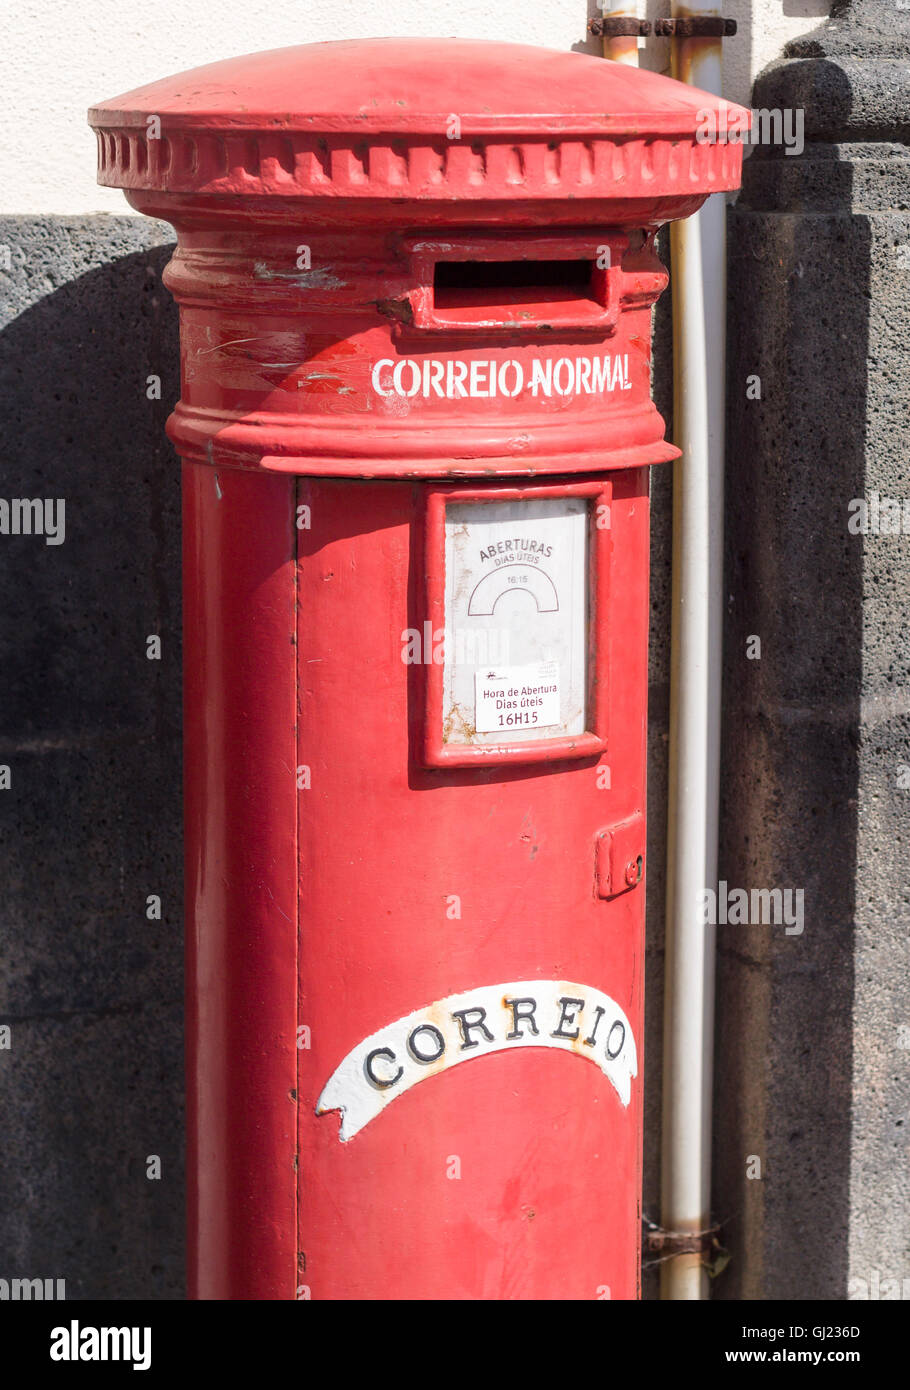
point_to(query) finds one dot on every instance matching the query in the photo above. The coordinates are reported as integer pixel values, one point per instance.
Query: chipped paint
(220, 347)
(306, 279)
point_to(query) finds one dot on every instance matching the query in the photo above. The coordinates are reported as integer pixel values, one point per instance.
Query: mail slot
(415, 281)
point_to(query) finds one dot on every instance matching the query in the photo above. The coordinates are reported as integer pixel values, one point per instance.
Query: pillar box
(415, 280)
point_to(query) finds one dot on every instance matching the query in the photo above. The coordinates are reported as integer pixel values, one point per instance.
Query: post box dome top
(418, 118)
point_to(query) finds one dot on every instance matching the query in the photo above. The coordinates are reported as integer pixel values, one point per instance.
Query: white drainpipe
(698, 270)
(625, 48)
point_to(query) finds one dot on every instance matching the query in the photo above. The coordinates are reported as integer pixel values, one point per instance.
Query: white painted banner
(485, 379)
(493, 1018)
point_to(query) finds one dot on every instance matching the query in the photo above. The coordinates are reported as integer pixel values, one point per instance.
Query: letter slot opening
(499, 287)
(488, 284)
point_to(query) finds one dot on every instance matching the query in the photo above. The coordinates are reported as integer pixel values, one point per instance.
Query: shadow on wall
(90, 828)
(799, 277)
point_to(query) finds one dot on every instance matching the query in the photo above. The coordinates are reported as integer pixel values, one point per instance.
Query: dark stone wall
(813, 1044)
(90, 826)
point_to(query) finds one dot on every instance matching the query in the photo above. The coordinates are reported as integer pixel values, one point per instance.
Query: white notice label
(516, 619)
(516, 697)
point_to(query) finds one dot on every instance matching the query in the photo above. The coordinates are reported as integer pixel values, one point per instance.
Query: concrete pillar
(813, 1056)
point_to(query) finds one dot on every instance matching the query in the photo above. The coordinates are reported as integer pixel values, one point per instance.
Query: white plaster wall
(57, 58)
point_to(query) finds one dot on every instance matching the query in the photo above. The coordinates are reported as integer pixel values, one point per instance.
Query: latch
(619, 860)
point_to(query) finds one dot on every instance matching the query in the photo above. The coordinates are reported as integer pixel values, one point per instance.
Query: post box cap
(424, 119)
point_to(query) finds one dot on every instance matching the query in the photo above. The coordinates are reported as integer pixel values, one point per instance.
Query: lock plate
(619, 860)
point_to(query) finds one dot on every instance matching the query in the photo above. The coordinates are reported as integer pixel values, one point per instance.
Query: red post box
(415, 280)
